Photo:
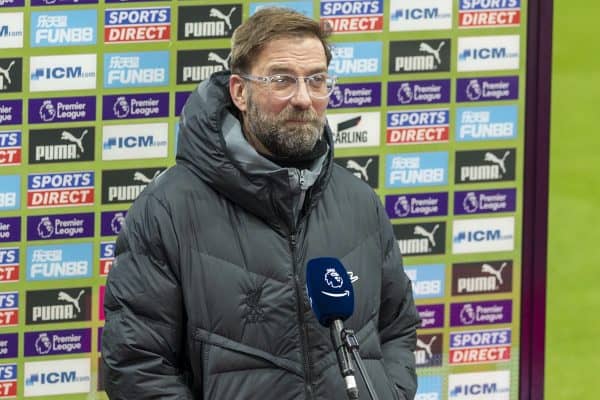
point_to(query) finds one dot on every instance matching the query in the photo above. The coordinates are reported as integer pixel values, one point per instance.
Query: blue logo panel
(136, 69)
(416, 169)
(63, 28)
(52, 262)
(427, 280)
(10, 192)
(356, 59)
(486, 123)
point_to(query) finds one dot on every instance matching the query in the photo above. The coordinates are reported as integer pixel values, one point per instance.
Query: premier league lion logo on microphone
(333, 279)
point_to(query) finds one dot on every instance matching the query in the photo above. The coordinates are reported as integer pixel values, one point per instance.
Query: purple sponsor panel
(355, 95)
(62, 109)
(417, 205)
(432, 316)
(99, 344)
(61, 2)
(484, 201)
(51, 343)
(418, 92)
(12, 3)
(111, 222)
(64, 226)
(481, 313)
(180, 99)
(10, 229)
(130, 106)
(487, 89)
(11, 112)
(9, 345)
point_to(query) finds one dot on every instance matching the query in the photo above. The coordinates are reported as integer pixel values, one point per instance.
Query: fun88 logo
(10, 192)
(63, 28)
(60, 189)
(149, 68)
(430, 388)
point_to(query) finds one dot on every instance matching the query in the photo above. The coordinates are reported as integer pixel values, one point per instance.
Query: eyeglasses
(283, 86)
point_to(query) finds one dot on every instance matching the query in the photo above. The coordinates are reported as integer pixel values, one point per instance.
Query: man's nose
(301, 99)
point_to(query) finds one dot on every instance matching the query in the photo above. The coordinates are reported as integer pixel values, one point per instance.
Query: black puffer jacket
(206, 298)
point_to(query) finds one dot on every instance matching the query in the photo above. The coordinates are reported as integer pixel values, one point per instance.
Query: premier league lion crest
(333, 279)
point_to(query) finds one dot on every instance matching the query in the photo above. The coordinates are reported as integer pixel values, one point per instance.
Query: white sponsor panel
(420, 15)
(359, 129)
(11, 30)
(70, 72)
(479, 386)
(483, 235)
(135, 141)
(43, 378)
(488, 53)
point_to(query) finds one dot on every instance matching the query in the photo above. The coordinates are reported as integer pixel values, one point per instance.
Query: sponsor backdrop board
(429, 110)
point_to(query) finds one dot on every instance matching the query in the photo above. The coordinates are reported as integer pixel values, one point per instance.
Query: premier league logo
(337, 98)
(474, 90)
(405, 93)
(467, 314)
(117, 222)
(121, 107)
(402, 208)
(43, 344)
(470, 202)
(47, 111)
(45, 228)
(333, 279)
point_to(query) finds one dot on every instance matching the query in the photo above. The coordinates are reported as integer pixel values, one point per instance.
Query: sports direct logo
(11, 30)
(149, 68)
(355, 130)
(9, 264)
(63, 28)
(416, 169)
(62, 109)
(10, 192)
(126, 25)
(487, 89)
(10, 148)
(52, 262)
(411, 127)
(479, 386)
(11, 112)
(356, 59)
(352, 16)
(420, 15)
(9, 309)
(60, 189)
(8, 381)
(489, 13)
(107, 256)
(486, 123)
(483, 235)
(479, 347)
(43, 378)
(135, 141)
(418, 92)
(488, 53)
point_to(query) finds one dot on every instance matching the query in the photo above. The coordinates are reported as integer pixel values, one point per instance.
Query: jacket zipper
(302, 327)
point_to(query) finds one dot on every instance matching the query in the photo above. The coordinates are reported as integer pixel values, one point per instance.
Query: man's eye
(282, 80)
(318, 78)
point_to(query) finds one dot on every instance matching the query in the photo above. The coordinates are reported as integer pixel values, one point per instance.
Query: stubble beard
(281, 138)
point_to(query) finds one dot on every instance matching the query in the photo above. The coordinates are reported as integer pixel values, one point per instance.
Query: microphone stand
(349, 340)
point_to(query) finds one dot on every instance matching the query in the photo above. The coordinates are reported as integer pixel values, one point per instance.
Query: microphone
(331, 297)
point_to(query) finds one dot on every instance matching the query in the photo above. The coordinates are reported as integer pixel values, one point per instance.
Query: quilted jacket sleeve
(398, 317)
(142, 337)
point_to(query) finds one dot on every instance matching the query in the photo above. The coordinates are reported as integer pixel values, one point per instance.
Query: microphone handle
(343, 358)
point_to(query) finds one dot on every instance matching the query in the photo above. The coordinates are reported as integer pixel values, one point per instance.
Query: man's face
(291, 127)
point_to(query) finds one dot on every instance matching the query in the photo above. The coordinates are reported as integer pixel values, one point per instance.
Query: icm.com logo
(11, 112)
(420, 15)
(483, 235)
(127, 25)
(64, 226)
(70, 72)
(10, 192)
(129, 106)
(430, 387)
(479, 386)
(10, 229)
(416, 169)
(149, 68)
(418, 92)
(61, 145)
(10, 148)
(63, 28)
(488, 53)
(9, 264)
(124, 142)
(418, 126)
(355, 129)
(411, 56)
(8, 381)
(487, 89)
(194, 66)
(9, 309)
(125, 185)
(486, 123)
(356, 59)
(43, 378)
(52, 262)
(489, 14)
(11, 30)
(493, 165)
(421, 239)
(60, 189)
(62, 109)
(11, 75)
(352, 16)
(427, 280)
(479, 347)
(50, 343)
(355, 95)
(365, 168)
(208, 22)
(482, 277)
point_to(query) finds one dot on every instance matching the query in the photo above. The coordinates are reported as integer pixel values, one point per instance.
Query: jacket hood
(212, 145)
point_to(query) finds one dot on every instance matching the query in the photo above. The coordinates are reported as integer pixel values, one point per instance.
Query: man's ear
(237, 91)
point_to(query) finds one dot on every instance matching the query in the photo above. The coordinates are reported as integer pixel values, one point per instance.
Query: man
(206, 298)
